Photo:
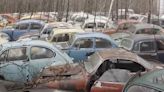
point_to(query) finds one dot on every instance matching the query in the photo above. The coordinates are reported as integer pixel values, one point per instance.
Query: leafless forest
(139, 6)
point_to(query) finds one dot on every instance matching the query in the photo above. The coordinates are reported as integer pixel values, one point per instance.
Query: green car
(150, 82)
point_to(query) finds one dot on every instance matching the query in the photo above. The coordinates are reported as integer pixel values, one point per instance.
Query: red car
(81, 77)
(122, 26)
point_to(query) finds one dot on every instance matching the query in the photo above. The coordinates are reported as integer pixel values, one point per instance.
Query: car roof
(143, 37)
(30, 21)
(153, 79)
(94, 35)
(91, 34)
(27, 43)
(61, 31)
(119, 53)
(146, 25)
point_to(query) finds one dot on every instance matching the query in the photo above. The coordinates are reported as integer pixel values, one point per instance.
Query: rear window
(127, 44)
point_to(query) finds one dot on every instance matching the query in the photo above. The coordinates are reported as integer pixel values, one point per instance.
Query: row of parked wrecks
(126, 56)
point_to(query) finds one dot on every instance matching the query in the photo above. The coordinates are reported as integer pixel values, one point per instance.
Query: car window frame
(78, 39)
(15, 48)
(147, 51)
(22, 24)
(104, 40)
(35, 24)
(30, 54)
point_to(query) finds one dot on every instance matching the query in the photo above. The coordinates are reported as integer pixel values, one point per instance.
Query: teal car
(150, 82)
(22, 62)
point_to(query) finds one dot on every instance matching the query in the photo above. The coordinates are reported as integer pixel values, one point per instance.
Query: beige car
(62, 35)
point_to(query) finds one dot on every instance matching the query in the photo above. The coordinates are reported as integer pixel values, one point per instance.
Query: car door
(160, 50)
(20, 29)
(40, 57)
(147, 50)
(81, 48)
(12, 65)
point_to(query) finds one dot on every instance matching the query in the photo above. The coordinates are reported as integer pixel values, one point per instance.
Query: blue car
(81, 45)
(21, 62)
(23, 27)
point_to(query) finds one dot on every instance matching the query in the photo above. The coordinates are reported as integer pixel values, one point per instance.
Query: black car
(150, 47)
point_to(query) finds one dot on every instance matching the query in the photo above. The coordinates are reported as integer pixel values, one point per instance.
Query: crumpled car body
(107, 79)
(22, 62)
(149, 82)
(78, 77)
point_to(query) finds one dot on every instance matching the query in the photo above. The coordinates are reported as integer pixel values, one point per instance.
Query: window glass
(147, 46)
(17, 54)
(147, 31)
(61, 38)
(3, 56)
(22, 26)
(136, 88)
(41, 53)
(101, 25)
(127, 44)
(102, 43)
(84, 43)
(136, 47)
(36, 26)
(160, 45)
(90, 25)
(129, 65)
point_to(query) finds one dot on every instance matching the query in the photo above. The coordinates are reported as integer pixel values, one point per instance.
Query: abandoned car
(23, 27)
(149, 82)
(120, 26)
(62, 35)
(118, 66)
(150, 47)
(21, 62)
(76, 76)
(82, 44)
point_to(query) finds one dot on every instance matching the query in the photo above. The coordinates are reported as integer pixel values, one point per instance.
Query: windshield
(127, 44)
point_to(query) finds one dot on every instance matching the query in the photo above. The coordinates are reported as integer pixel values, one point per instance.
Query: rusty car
(78, 76)
(120, 26)
(21, 62)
